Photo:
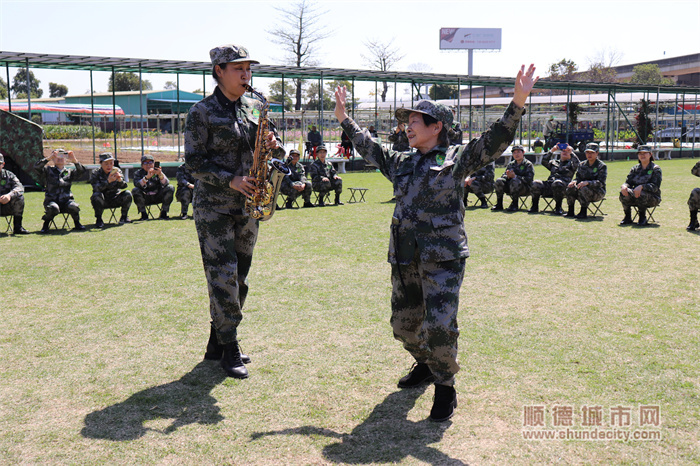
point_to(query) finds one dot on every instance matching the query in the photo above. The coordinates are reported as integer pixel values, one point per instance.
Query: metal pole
(529, 121)
(9, 96)
(376, 90)
(471, 62)
(284, 120)
(114, 116)
(92, 117)
(177, 88)
(607, 128)
(459, 106)
(353, 98)
(141, 108)
(656, 123)
(320, 97)
(29, 94)
(682, 120)
(470, 110)
(484, 107)
(695, 125)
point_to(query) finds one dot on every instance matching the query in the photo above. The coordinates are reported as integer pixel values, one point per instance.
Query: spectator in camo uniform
(516, 180)
(589, 185)
(561, 173)
(480, 183)
(642, 187)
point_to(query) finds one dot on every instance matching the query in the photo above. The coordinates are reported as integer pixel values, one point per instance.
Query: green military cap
(438, 111)
(644, 148)
(146, 157)
(592, 147)
(294, 152)
(105, 156)
(518, 147)
(229, 53)
(321, 147)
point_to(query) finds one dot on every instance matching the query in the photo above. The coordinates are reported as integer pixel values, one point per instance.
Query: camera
(562, 145)
(156, 164)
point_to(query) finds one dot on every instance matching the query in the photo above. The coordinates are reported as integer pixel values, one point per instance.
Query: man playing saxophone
(220, 139)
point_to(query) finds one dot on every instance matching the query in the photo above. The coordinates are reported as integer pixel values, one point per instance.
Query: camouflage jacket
(98, 180)
(559, 169)
(457, 138)
(58, 182)
(219, 144)
(696, 169)
(318, 170)
(184, 177)
(524, 170)
(595, 174)
(649, 178)
(297, 175)
(399, 140)
(153, 184)
(485, 174)
(429, 212)
(9, 184)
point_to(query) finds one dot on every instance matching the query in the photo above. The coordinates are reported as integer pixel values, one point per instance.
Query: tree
(419, 67)
(313, 101)
(170, 85)
(3, 89)
(649, 74)
(127, 82)
(382, 56)
(298, 35)
(442, 91)
(601, 67)
(57, 90)
(275, 94)
(19, 86)
(562, 70)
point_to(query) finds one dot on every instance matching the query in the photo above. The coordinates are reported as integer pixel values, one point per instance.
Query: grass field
(104, 331)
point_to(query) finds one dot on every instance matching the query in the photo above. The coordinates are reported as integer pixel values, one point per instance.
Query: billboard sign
(470, 38)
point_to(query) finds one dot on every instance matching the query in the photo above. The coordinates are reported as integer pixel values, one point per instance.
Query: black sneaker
(418, 375)
(99, 223)
(444, 403)
(124, 219)
(144, 216)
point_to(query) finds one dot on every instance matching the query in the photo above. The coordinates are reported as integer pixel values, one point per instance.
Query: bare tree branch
(382, 56)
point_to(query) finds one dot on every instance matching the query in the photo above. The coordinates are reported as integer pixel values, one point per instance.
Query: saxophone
(262, 203)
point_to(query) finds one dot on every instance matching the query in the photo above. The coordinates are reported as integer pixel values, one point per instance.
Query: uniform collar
(224, 101)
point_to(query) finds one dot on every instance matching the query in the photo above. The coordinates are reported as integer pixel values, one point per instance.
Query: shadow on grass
(185, 401)
(386, 436)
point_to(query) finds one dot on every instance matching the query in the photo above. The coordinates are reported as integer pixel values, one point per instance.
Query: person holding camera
(561, 173)
(151, 186)
(11, 197)
(589, 185)
(106, 182)
(185, 189)
(516, 180)
(398, 138)
(58, 180)
(296, 184)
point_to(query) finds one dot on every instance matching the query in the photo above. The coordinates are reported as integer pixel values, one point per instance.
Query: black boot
(322, 200)
(583, 213)
(144, 215)
(337, 199)
(183, 215)
(557, 208)
(215, 350)
(418, 375)
(45, 227)
(288, 204)
(98, 222)
(76, 222)
(18, 228)
(571, 212)
(444, 403)
(308, 204)
(124, 219)
(231, 361)
(535, 205)
(499, 203)
(484, 203)
(693, 225)
(628, 217)
(643, 221)
(513, 205)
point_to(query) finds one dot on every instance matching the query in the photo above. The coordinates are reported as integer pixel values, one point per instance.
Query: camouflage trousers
(584, 195)
(480, 188)
(14, 207)
(53, 208)
(226, 240)
(292, 193)
(184, 196)
(424, 303)
(694, 199)
(553, 188)
(331, 185)
(513, 186)
(99, 203)
(645, 199)
(164, 195)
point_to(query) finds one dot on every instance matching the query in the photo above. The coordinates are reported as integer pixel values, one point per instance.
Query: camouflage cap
(105, 156)
(229, 54)
(146, 157)
(294, 152)
(321, 147)
(438, 111)
(518, 147)
(644, 148)
(592, 147)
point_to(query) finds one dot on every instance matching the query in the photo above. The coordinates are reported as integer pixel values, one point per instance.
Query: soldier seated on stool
(151, 186)
(517, 179)
(324, 178)
(58, 180)
(296, 184)
(694, 202)
(642, 187)
(11, 197)
(561, 173)
(480, 183)
(589, 185)
(185, 189)
(106, 182)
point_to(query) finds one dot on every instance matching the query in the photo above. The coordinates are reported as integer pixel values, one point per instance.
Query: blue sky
(541, 32)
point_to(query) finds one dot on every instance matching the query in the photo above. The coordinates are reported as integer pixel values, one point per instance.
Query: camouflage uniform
(694, 201)
(156, 191)
(650, 180)
(184, 193)
(517, 186)
(58, 197)
(297, 177)
(482, 183)
(399, 141)
(596, 175)
(219, 143)
(428, 243)
(10, 184)
(318, 170)
(561, 174)
(107, 195)
(458, 135)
